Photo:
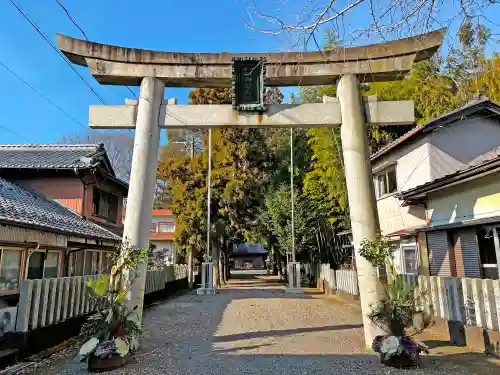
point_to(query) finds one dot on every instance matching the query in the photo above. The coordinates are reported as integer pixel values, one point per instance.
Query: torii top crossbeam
(115, 65)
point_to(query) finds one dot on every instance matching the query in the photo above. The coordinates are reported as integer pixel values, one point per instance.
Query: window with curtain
(95, 262)
(10, 268)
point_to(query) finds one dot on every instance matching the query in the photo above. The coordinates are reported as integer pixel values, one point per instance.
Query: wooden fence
(471, 301)
(49, 301)
(156, 279)
(342, 280)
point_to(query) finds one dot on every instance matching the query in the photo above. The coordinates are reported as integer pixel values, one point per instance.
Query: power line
(42, 95)
(71, 18)
(59, 53)
(17, 135)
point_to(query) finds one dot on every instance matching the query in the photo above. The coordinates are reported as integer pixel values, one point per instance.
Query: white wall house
(464, 219)
(161, 235)
(429, 152)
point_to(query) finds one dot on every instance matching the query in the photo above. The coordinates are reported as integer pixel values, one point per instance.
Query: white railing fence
(347, 281)
(49, 301)
(339, 280)
(471, 301)
(156, 279)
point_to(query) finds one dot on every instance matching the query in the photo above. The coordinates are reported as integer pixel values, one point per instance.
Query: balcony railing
(162, 227)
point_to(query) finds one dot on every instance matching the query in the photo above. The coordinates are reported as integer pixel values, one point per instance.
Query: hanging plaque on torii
(248, 84)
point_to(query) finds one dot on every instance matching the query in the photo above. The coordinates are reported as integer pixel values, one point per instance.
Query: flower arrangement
(111, 333)
(395, 314)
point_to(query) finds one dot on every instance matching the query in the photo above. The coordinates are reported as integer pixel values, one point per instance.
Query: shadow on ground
(249, 331)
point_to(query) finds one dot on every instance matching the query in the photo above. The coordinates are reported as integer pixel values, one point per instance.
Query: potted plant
(395, 314)
(111, 334)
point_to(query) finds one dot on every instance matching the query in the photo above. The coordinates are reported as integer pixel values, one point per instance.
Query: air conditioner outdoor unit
(8, 317)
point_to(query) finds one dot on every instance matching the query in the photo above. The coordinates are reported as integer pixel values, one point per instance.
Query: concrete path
(252, 327)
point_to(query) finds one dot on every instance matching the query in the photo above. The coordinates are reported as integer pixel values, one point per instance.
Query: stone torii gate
(153, 71)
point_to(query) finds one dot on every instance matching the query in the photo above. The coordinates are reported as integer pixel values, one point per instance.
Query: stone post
(360, 191)
(293, 274)
(207, 276)
(143, 180)
(190, 269)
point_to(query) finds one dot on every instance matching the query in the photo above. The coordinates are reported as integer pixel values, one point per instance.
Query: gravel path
(252, 327)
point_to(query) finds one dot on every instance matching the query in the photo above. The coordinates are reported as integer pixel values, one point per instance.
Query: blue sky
(170, 25)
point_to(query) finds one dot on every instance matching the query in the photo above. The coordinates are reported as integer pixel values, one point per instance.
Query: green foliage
(112, 321)
(241, 170)
(279, 208)
(396, 312)
(185, 181)
(314, 94)
(210, 96)
(325, 183)
(430, 91)
(377, 251)
(240, 176)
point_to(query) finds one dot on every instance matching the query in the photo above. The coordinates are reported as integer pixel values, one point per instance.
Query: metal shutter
(439, 253)
(466, 245)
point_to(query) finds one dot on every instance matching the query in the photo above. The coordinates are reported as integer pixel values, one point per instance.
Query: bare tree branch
(388, 19)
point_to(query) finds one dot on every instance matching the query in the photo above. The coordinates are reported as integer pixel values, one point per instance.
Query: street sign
(248, 83)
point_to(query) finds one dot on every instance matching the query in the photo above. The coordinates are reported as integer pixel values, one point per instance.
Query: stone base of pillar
(207, 271)
(293, 285)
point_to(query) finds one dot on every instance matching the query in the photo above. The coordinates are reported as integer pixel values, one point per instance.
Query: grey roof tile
(22, 205)
(49, 156)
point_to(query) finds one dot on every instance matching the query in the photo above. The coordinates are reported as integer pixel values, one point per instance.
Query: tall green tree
(186, 187)
(279, 209)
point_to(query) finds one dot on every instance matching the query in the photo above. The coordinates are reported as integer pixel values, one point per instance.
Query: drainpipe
(28, 259)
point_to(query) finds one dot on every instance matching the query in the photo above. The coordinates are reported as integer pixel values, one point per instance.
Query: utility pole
(190, 252)
(209, 189)
(291, 194)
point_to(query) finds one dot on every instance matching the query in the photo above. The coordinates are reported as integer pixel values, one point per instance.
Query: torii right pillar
(361, 194)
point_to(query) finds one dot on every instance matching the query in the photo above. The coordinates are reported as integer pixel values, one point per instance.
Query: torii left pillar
(142, 181)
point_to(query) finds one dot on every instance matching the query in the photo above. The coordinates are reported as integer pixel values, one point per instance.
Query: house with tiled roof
(437, 193)
(79, 177)
(60, 212)
(40, 238)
